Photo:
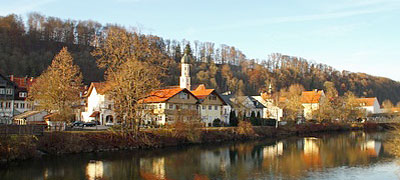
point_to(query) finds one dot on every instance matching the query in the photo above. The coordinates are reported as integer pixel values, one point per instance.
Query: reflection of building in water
(311, 154)
(155, 166)
(273, 150)
(94, 170)
(216, 159)
(372, 147)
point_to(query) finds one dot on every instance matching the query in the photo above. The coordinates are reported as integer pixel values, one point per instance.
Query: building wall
(211, 109)
(308, 109)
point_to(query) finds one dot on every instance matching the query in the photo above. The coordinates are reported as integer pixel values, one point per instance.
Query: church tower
(185, 73)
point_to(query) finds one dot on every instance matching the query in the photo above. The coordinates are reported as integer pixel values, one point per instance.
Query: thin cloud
(303, 18)
(20, 7)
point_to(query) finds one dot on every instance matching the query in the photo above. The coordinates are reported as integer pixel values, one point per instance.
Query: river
(351, 155)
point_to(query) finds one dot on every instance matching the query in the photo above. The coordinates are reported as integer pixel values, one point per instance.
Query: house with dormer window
(164, 105)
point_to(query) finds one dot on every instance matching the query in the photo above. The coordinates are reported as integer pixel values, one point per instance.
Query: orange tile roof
(163, 95)
(201, 92)
(367, 101)
(311, 96)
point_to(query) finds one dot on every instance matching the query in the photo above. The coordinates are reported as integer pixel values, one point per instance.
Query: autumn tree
(132, 62)
(57, 89)
(330, 106)
(293, 106)
(351, 107)
(387, 104)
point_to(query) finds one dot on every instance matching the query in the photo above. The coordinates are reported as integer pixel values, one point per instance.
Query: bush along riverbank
(57, 143)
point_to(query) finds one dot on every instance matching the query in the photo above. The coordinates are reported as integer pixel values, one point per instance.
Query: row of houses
(163, 106)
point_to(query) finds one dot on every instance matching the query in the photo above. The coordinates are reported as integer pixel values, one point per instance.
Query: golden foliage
(57, 89)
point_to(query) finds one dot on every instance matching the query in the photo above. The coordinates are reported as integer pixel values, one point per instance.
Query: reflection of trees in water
(290, 158)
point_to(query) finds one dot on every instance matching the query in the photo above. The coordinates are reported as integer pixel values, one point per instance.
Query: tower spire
(185, 72)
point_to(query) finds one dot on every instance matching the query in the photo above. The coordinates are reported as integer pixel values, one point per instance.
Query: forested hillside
(26, 49)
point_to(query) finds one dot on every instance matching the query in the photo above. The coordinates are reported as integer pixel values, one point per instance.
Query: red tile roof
(23, 82)
(367, 101)
(311, 96)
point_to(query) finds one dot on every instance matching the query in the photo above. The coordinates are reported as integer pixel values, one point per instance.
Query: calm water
(353, 155)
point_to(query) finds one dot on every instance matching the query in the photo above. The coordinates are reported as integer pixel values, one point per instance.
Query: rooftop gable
(101, 88)
(201, 92)
(312, 96)
(163, 95)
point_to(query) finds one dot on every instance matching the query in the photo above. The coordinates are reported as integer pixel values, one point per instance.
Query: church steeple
(185, 72)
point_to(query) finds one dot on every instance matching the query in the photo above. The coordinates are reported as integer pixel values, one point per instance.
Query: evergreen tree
(233, 120)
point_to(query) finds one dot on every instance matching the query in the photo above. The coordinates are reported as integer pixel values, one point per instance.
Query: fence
(22, 129)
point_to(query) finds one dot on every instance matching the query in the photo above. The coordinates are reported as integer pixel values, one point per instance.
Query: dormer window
(212, 97)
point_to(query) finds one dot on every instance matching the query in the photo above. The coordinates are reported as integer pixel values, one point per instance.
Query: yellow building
(211, 104)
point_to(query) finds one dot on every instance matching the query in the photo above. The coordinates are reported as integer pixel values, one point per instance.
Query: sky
(354, 35)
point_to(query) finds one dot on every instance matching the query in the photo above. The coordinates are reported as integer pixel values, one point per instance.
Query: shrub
(217, 123)
(187, 130)
(245, 128)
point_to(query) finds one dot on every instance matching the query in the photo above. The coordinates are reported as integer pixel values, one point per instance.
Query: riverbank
(14, 148)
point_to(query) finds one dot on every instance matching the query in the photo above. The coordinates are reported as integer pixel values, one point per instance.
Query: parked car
(78, 123)
(90, 124)
(109, 124)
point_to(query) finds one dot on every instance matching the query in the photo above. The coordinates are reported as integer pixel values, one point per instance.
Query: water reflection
(94, 170)
(293, 158)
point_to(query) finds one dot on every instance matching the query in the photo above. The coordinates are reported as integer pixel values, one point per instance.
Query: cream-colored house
(311, 101)
(166, 105)
(211, 105)
(99, 106)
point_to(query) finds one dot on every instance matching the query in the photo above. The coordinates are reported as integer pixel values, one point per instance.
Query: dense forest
(27, 48)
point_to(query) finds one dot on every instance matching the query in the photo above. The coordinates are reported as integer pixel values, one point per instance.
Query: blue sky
(355, 35)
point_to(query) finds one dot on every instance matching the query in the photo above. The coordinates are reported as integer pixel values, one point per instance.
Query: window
(183, 95)
(203, 107)
(2, 91)
(215, 107)
(209, 107)
(171, 106)
(22, 105)
(109, 106)
(159, 106)
(22, 94)
(8, 91)
(212, 97)
(8, 105)
(16, 105)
